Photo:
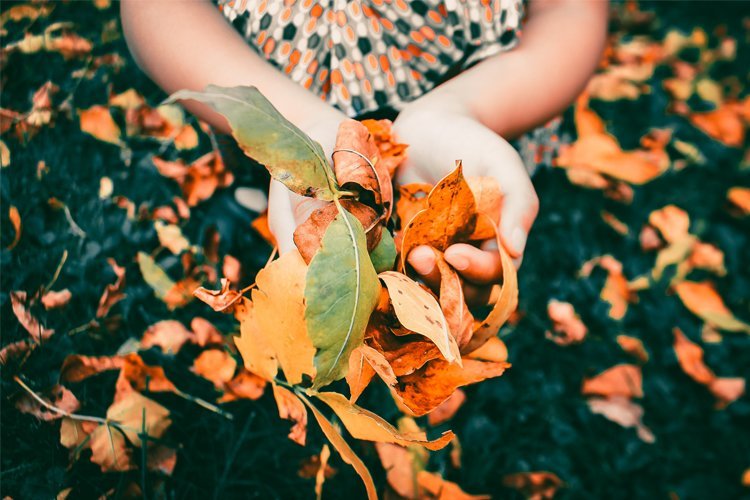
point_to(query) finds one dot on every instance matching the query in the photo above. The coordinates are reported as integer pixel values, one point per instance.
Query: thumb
(286, 211)
(520, 208)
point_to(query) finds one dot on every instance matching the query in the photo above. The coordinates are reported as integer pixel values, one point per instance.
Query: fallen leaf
(620, 380)
(98, 121)
(320, 476)
(739, 197)
(55, 300)
(245, 385)
(672, 222)
(205, 333)
(291, 408)
(15, 220)
(58, 396)
(223, 300)
(171, 237)
(702, 299)
(616, 290)
(198, 180)
(279, 310)
(624, 412)
(215, 365)
(21, 309)
(341, 292)
(363, 424)
(260, 224)
(169, 335)
(447, 409)
(174, 294)
(143, 377)
(566, 324)
(540, 485)
(724, 124)
(634, 347)
(76, 368)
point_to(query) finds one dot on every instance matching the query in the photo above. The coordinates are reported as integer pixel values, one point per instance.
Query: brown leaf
(309, 234)
(215, 365)
(616, 290)
(433, 486)
(169, 335)
(620, 380)
(260, 224)
(359, 375)
(245, 385)
(450, 216)
(143, 377)
(739, 197)
(634, 347)
(566, 324)
(423, 390)
(58, 396)
(419, 312)
(488, 196)
(205, 333)
(672, 222)
(223, 300)
(493, 350)
(322, 473)
(392, 154)
(113, 293)
(76, 368)
(724, 124)
(539, 485)
(412, 200)
(402, 464)
(54, 300)
(727, 390)
(363, 424)
(624, 412)
(291, 408)
(447, 409)
(98, 122)
(198, 180)
(363, 170)
(32, 325)
(405, 354)
(453, 303)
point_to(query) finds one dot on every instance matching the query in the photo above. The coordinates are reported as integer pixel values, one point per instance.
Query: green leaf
(383, 256)
(289, 154)
(154, 275)
(341, 291)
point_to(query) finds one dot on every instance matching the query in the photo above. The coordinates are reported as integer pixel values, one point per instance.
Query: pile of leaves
(334, 308)
(629, 347)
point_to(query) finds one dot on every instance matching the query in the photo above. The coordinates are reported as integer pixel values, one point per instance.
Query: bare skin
(187, 44)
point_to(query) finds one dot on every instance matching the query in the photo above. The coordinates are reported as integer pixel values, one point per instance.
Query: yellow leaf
(291, 408)
(257, 353)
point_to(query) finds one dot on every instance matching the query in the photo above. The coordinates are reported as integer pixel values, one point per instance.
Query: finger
(477, 266)
(422, 260)
(280, 216)
(520, 208)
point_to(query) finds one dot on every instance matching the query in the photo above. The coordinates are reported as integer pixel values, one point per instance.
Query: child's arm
(511, 93)
(187, 44)
(470, 116)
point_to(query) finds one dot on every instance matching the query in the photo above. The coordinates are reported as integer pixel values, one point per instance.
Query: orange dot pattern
(365, 55)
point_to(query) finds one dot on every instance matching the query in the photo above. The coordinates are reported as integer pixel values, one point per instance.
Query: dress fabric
(362, 56)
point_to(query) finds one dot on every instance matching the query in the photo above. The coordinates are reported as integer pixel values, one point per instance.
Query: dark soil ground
(532, 418)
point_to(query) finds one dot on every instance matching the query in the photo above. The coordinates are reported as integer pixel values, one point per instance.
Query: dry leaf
(245, 385)
(21, 308)
(447, 409)
(359, 375)
(54, 300)
(452, 301)
(58, 396)
(634, 347)
(567, 325)
(143, 377)
(739, 197)
(539, 485)
(291, 408)
(76, 368)
(223, 300)
(98, 122)
(15, 220)
(256, 351)
(419, 312)
(624, 412)
(113, 293)
(493, 350)
(620, 380)
(392, 154)
(672, 222)
(702, 299)
(169, 335)
(204, 333)
(433, 486)
(198, 180)
(215, 365)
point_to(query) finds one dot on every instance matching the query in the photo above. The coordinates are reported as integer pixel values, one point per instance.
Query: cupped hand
(439, 134)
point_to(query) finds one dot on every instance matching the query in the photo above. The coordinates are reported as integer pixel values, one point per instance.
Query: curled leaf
(291, 408)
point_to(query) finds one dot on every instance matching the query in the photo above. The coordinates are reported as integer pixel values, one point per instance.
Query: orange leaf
(15, 220)
(488, 197)
(279, 309)
(567, 325)
(260, 224)
(362, 170)
(58, 395)
(412, 200)
(634, 347)
(452, 301)
(624, 412)
(359, 375)
(740, 198)
(534, 485)
(257, 353)
(169, 335)
(26, 318)
(215, 365)
(434, 486)
(447, 409)
(198, 180)
(671, 221)
(143, 377)
(493, 350)
(54, 300)
(245, 385)
(76, 368)
(291, 408)
(620, 380)
(113, 293)
(98, 122)
(363, 424)
(616, 290)
(223, 300)
(727, 390)
(405, 354)
(723, 124)
(204, 333)
(701, 299)
(423, 390)
(391, 152)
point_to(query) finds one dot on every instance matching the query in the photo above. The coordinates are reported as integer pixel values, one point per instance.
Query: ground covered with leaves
(630, 350)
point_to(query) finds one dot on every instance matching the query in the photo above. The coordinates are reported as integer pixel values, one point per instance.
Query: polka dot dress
(366, 55)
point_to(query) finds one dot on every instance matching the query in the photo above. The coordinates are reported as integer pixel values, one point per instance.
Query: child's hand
(437, 137)
(287, 210)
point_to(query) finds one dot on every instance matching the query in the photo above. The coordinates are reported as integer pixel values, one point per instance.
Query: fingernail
(459, 262)
(518, 239)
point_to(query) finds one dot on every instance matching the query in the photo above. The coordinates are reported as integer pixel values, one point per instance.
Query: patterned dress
(365, 56)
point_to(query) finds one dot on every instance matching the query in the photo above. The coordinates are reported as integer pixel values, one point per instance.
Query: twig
(57, 271)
